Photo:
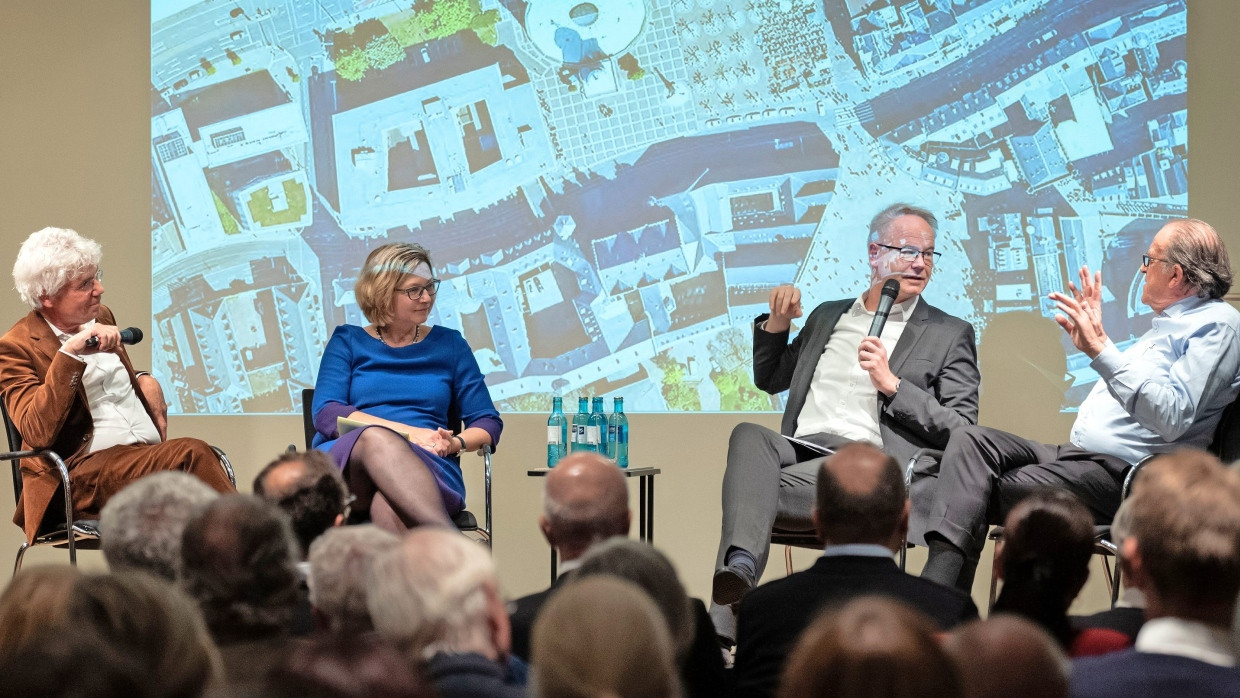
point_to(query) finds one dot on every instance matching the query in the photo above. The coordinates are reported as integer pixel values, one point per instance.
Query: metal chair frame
(465, 521)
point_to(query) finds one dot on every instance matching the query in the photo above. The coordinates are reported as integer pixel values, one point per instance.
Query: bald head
(585, 501)
(1033, 665)
(861, 497)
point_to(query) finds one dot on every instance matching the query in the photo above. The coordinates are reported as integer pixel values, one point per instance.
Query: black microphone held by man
(891, 289)
(133, 335)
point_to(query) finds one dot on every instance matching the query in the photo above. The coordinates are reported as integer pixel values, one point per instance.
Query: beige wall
(74, 128)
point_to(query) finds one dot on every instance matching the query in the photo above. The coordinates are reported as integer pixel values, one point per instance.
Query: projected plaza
(611, 189)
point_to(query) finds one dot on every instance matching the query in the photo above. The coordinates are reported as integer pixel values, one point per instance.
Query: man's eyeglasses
(1146, 259)
(89, 282)
(908, 253)
(415, 292)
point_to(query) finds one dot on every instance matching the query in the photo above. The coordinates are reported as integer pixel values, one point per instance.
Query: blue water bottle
(580, 421)
(618, 434)
(596, 428)
(557, 432)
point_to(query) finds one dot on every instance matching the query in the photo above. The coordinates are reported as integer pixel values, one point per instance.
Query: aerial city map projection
(610, 189)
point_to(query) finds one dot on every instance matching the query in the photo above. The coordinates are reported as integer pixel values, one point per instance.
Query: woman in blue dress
(408, 383)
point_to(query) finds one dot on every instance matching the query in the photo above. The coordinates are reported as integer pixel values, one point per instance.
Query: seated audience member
(307, 486)
(410, 384)
(1123, 621)
(1006, 656)
(861, 516)
(1183, 553)
(696, 646)
(905, 390)
(602, 636)
(60, 664)
(239, 562)
(68, 385)
(340, 560)
(153, 622)
(436, 596)
(1167, 389)
(585, 501)
(1043, 560)
(35, 599)
(339, 666)
(873, 647)
(142, 524)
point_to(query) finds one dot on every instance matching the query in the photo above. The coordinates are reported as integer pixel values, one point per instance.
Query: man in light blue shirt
(1168, 389)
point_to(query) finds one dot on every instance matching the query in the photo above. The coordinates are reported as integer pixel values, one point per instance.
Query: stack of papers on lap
(344, 425)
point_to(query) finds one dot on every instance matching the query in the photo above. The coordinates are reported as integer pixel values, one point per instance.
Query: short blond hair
(384, 268)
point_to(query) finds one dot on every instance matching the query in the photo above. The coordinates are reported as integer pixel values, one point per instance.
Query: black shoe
(730, 585)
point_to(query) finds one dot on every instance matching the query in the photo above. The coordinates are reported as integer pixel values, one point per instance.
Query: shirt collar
(1182, 306)
(61, 334)
(900, 312)
(858, 550)
(1187, 638)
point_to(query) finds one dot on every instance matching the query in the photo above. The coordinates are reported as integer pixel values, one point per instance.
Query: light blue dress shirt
(1169, 388)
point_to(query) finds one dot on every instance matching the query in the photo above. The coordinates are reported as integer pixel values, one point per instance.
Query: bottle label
(592, 434)
(553, 435)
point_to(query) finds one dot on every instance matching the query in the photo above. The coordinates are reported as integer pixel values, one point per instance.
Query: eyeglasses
(908, 253)
(415, 292)
(89, 282)
(1146, 259)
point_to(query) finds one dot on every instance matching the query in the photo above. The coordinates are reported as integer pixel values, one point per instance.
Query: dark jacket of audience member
(861, 500)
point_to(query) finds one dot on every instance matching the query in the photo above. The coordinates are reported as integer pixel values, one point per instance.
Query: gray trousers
(769, 483)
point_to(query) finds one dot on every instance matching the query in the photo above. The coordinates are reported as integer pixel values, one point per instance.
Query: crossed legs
(402, 490)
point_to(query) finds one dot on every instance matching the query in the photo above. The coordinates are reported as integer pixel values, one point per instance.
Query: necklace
(416, 330)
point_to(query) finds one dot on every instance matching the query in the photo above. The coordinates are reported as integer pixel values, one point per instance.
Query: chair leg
(788, 559)
(994, 581)
(1110, 578)
(21, 553)
(1116, 578)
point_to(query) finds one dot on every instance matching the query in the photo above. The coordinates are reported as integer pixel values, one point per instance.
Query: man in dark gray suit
(905, 391)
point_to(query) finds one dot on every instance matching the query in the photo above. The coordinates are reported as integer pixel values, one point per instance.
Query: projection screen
(610, 189)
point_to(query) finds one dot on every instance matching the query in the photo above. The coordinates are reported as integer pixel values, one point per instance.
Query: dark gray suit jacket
(936, 360)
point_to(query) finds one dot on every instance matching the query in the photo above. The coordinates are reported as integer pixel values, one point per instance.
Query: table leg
(650, 513)
(555, 568)
(641, 508)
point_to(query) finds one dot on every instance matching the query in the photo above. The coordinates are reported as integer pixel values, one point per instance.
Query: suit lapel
(913, 329)
(41, 335)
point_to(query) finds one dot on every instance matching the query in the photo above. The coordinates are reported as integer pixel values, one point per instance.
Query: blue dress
(422, 385)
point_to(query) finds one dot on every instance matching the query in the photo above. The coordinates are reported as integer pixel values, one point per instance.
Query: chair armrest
(920, 453)
(1131, 475)
(57, 462)
(226, 465)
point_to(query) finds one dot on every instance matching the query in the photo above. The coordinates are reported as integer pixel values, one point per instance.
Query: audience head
(643, 565)
(1048, 538)
(1006, 656)
(384, 269)
(437, 592)
(340, 559)
(49, 259)
(141, 526)
(239, 562)
(872, 647)
(602, 636)
(342, 666)
(35, 599)
(308, 487)
(1183, 548)
(586, 501)
(861, 498)
(153, 622)
(72, 664)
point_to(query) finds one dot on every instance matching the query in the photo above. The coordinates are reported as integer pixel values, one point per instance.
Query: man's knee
(200, 459)
(748, 433)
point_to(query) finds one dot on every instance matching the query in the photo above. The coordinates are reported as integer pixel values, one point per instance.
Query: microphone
(133, 335)
(891, 289)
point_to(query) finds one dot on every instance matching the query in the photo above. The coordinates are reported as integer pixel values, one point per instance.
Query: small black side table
(645, 504)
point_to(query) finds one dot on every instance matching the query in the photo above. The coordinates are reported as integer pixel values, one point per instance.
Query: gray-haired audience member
(872, 647)
(1006, 656)
(1183, 552)
(239, 562)
(585, 501)
(436, 595)
(308, 487)
(602, 636)
(340, 560)
(141, 526)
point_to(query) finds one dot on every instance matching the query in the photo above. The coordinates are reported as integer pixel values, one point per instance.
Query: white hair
(339, 560)
(141, 526)
(48, 259)
(432, 593)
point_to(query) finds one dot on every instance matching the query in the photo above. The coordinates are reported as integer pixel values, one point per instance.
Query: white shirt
(1187, 638)
(117, 412)
(842, 400)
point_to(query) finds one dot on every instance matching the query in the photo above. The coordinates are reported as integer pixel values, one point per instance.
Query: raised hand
(785, 305)
(1082, 313)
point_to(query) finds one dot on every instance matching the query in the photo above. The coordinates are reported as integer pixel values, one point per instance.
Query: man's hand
(1082, 318)
(109, 340)
(872, 356)
(785, 305)
(154, 395)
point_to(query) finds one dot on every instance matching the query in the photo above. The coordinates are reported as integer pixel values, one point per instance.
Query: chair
(84, 533)
(809, 539)
(465, 521)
